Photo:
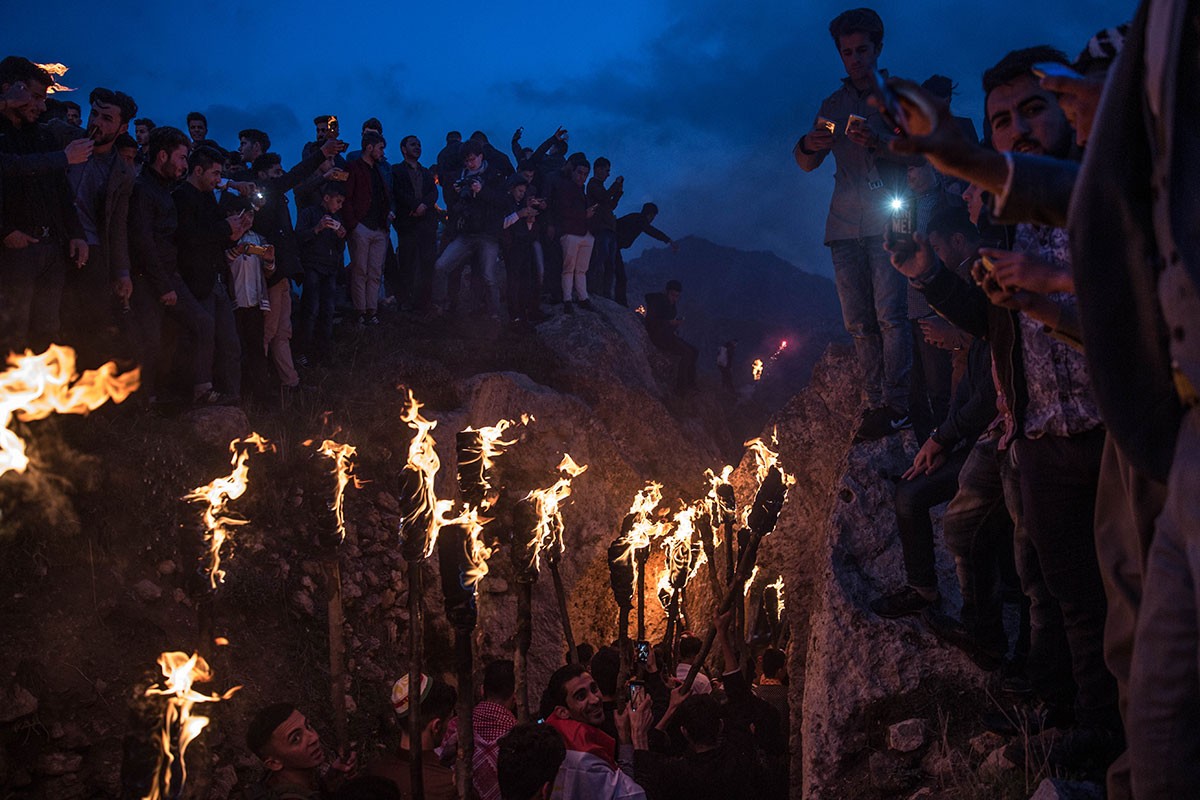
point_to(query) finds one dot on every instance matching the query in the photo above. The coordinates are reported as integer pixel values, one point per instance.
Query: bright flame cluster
(756, 369)
(36, 386)
(491, 446)
(57, 71)
(423, 458)
(180, 671)
(219, 494)
(548, 535)
(680, 554)
(343, 469)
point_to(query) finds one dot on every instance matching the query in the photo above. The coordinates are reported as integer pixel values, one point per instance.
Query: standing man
(197, 125)
(414, 190)
(629, 228)
(603, 225)
(872, 294)
(662, 324)
(367, 212)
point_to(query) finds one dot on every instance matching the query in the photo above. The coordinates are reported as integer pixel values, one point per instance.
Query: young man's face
(208, 178)
(1026, 118)
(859, 56)
(411, 149)
(197, 129)
(322, 130)
(333, 203)
(973, 197)
(106, 121)
(580, 175)
(584, 703)
(921, 178)
(473, 161)
(602, 171)
(294, 745)
(74, 116)
(673, 295)
(249, 150)
(31, 111)
(142, 134)
(173, 165)
(376, 150)
(951, 250)
(518, 192)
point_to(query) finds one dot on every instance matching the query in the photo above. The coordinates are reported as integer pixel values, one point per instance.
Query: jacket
(32, 201)
(405, 200)
(570, 209)
(631, 226)
(589, 771)
(323, 253)
(201, 238)
(605, 200)
(482, 213)
(274, 220)
(973, 406)
(152, 223)
(360, 194)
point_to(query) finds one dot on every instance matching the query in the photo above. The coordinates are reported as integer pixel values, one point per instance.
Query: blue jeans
(316, 309)
(448, 269)
(875, 312)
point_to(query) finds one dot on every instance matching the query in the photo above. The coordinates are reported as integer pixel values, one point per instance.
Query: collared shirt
(1059, 388)
(89, 181)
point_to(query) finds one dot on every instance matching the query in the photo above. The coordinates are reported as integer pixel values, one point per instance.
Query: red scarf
(584, 738)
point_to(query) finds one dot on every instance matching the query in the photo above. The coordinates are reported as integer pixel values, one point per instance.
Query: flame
(476, 550)
(645, 526)
(681, 553)
(36, 386)
(180, 671)
(57, 71)
(219, 494)
(424, 460)
(750, 581)
(756, 369)
(548, 535)
(778, 587)
(640, 311)
(344, 470)
(491, 446)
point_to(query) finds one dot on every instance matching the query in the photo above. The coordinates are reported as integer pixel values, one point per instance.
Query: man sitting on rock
(290, 750)
(662, 323)
(573, 706)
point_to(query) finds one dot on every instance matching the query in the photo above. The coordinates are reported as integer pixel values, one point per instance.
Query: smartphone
(642, 648)
(854, 121)
(988, 264)
(1054, 70)
(635, 688)
(827, 124)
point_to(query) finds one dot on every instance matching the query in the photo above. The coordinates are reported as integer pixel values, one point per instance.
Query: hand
(330, 148)
(722, 622)
(927, 461)
(863, 136)
(244, 188)
(621, 718)
(678, 695)
(16, 96)
(123, 289)
(338, 174)
(1023, 271)
(270, 254)
(591, 212)
(345, 764)
(78, 249)
(239, 223)
(641, 718)
(1078, 98)
(18, 240)
(169, 299)
(79, 151)
(941, 333)
(818, 139)
(420, 210)
(911, 262)
(561, 134)
(1015, 300)
(517, 134)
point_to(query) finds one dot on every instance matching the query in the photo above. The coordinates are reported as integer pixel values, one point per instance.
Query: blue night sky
(696, 102)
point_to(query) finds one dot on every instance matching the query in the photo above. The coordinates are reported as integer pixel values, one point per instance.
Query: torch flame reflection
(179, 671)
(36, 386)
(219, 494)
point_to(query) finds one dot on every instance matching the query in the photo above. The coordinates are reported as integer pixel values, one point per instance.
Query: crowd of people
(168, 250)
(594, 737)
(1027, 304)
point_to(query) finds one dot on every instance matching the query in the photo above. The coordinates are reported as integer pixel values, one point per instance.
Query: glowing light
(343, 468)
(423, 460)
(36, 386)
(219, 494)
(777, 586)
(750, 581)
(180, 671)
(897, 204)
(548, 535)
(56, 71)
(756, 369)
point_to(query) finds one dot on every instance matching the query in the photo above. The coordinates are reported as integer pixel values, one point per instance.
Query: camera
(463, 185)
(642, 648)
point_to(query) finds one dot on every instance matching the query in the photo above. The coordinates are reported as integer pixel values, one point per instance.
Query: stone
(147, 590)
(1060, 789)
(166, 567)
(494, 585)
(304, 602)
(55, 764)
(890, 773)
(986, 742)
(995, 765)
(921, 794)
(217, 426)
(907, 736)
(15, 702)
(387, 501)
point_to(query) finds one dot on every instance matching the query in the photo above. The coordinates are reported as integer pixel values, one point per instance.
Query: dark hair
(256, 136)
(585, 652)
(947, 222)
(73, 104)
(149, 123)
(857, 20)
(124, 140)
(369, 787)
(479, 136)
(773, 660)
(404, 141)
(264, 724)
(18, 68)
(700, 716)
(165, 139)
(453, 136)
(439, 703)
(689, 646)
(605, 667)
(470, 148)
(55, 109)
(121, 100)
(374, 124)
(499, 680)
(197, 115)
(204, 157)
(333, 188)
(555, 694)
(575, 159)
(265, 162)
(602, 162)
(529, 757)
(940, 86)
(1102, 50)
(1018, 63)
(649, 207)
(319, 118)
(370, 139)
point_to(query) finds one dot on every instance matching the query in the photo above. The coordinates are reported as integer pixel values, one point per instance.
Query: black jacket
(481, 213)
(274, 220)
(201, 237)
(35, 201)
(973, 406)
(152, 223)
(324, 252)
(406, 200)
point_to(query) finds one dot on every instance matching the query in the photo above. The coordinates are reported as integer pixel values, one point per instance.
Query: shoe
(1027, 720)
(371, 319)
(568, 308)
(954, 633)
(300, 359)
(214, 398)
(904, 603)
(586, 305)
(897, 421)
